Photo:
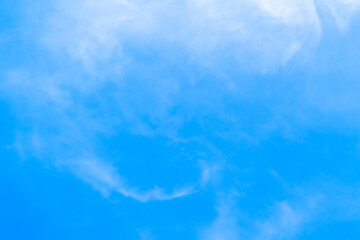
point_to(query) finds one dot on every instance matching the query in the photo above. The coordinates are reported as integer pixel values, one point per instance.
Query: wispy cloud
(285, 219)
(226, 225)
(267, 33)
(61, 131)
(67, 106)
(104, 178)
(341, 10)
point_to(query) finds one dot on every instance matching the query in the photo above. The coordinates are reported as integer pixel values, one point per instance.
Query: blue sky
(196, 119)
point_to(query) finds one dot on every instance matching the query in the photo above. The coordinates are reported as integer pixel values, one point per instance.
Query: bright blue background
(312, 146)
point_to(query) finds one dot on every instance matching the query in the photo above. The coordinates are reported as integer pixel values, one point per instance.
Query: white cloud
(315, 202)
(226, 225)
(231, 223)
(342, 10)
(266, 33)
(286, 221)
(59, 128)
(256, 34)
(104, 177)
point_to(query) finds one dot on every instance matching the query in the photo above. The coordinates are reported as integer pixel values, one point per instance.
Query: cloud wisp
(284, 219)
(106, 179)
(67, 109)
(258, 34)
(261, 33)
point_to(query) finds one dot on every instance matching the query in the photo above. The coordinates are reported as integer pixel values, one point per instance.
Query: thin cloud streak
(317, 202)
(105, 179)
